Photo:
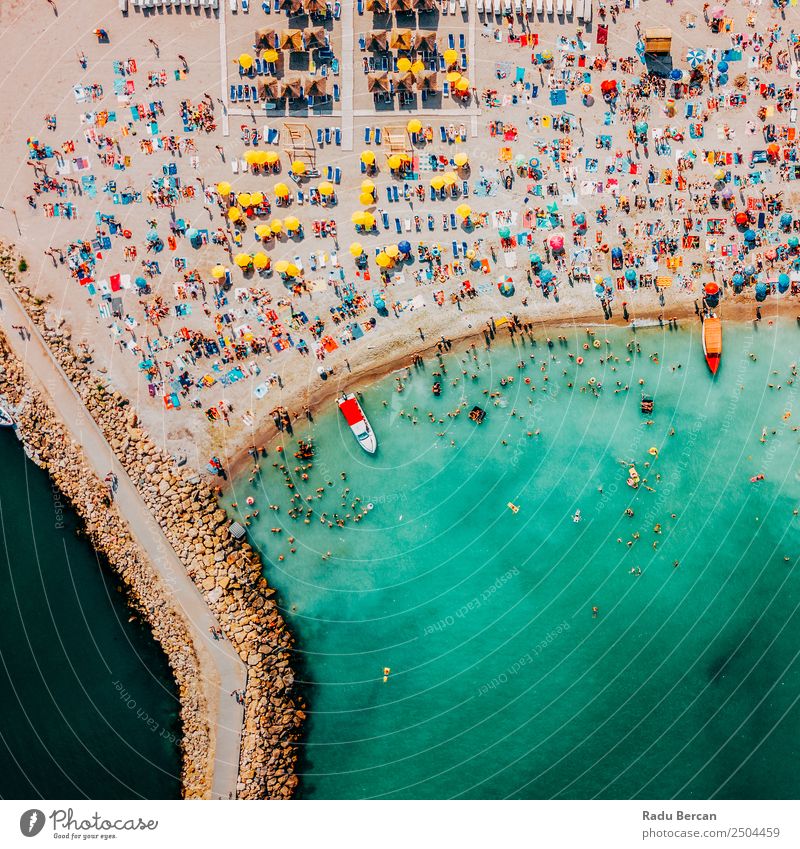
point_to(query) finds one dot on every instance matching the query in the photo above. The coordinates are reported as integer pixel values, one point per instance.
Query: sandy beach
(597, 184)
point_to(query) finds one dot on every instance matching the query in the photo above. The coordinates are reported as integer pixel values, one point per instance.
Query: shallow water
(502, 683)
(88, 707)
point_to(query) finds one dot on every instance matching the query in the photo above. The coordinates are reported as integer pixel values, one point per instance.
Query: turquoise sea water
(502, 682)
(88, 708)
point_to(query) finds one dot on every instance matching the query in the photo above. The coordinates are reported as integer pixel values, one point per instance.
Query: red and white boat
(712, 341)
(355, 418)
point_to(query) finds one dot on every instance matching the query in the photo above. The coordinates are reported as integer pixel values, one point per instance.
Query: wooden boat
(355, 418)
(712, 340)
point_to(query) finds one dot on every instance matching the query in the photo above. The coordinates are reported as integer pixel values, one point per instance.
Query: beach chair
(445, 90)
(540, 7)
(463, 6)
(560, 8)
(385, 220)
(479, 7)
(367, 135)
(462, 41)
(235, 166)
(337, 176)
(327, 135)
(266, 8)
(452, 7)
(463, 64)
(568, 8)
(360, 7)
(389, 194)
(529, 7)
(465, 188)
(395, 194)
(548, 5)
(496, 7)
(377, 135)
(451, 41)
(233, 94)
(398, 225)
(336, 94)
(246, 7)
(319, 136)
(455, 250)
(337, 133)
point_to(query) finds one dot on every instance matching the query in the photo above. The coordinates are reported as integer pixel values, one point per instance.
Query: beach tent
(291, 39)
(378, 82)
(265, 37)
(400, 39)
(401, 5)
(316, 87)
(425, 40)
(404, 82)
(315, 38)
(427, 5)
(428, 81)
(291, 87)
(315, 7)
(269, 89)
(377, 5)
(293, 7)
(378, 40)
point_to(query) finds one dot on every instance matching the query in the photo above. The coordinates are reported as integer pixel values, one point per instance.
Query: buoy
(127, 234)
(250, 500)
(386, 673)
(513, 507)
(653, 451)
(592, 381)
(596, 343)
(579, 361)
(369, 506)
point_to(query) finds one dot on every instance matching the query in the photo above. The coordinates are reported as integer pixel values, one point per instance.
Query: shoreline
(403, 349)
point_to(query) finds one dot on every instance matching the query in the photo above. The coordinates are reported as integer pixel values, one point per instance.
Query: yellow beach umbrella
(395, 161)
(234, 213)
(251, 157)
(271, 157)
(453, 77)
(369, 221)
(366, 199)
(260, 260)
(281, 190)
(368, 157)
(463, 210)
(356, 249)
(244, 200)
(383, 260)
(392, 251)
(326, 189)
(261, 157)
(276, 225)
(462, 84)
(281, 265)
(292, 270)
(461, 159)
(418, 67)
(256, 199)
(403, 65)
(224, 189)
(414, 125)
(471, 253)
(450, 179)
(437, 182)
(450, 57)
(263, 231)
(218, 272)
(367, 186)
(358, 217)
(243, 260)
(270, 55)
(298, 167)
(291, 224)
(246, 61)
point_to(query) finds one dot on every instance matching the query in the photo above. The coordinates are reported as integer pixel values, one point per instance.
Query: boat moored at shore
(359, 425)
(712, 340)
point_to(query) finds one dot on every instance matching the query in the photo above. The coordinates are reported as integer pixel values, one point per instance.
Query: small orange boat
(712, 341)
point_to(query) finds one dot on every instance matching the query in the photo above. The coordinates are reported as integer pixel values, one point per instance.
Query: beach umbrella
(270, 55)
(783, 282)
(367, 186)
(675, 74)
(749, 270)
(326, 189)
(773, 149)
(292, 270)
(291, 224)
(722, 66)
(243, 199)
(256, 199)
(392, 251)
(192, 233)
(737, 279)
(718, 12)
(504, 232)
(741, 218)
(276, 225)
(281, 266)
(217, 272)
(281, 190)
(453, 77)
(749, 235)
(545, 275)
(356, 249)
(535, 259)
(547, 55)
(405, 247)
(695, 58)
(366, 198)
(793, 241)
(557, 243)
(464, 210)
(298, 167)
(369, 221)
(462, 85)
(642, 127)
(260, 157)
(271, 157)
(403, 64)
(400, 39)
(358, 217)
(263, 231)
(437, 182)
(723, 79)
(580, 219)
(607, 86)
(414, 125)
(418, 67)
(152, 236)
(223, 189)
(383, 260)
(761, 291)
(786, 219)
(719, 174)
(450, 178)
(243, 260)
(368, 157)
(450, 57)
(395, 161)
(251, 156)
(771, 253)
(630, 275)
(506, 286)
(234, 213)
(260, 260)
(461, 159)
(246, 61)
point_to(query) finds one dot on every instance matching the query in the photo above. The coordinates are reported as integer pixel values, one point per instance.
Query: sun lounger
(398, 225)
(548, 5)
(233, 94)
(123, 6)
(560, 7)
(452, 9)
(518, 6)
(463, 6)
(337, 176)
(234, 6)
(360, 7)
(378, 134)
(568, 8)
(367, 135)
(385, 220)
(266, 8)
(246, 6)
(497, 7)
(337, 133)
(539, 7)
(587, 11)
(235, 166)
(479, 6)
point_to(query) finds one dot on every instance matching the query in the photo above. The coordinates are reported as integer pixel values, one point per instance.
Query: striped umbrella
(696, 57)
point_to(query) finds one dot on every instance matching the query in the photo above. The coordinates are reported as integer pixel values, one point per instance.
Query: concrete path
(221, 667)
(348, 58)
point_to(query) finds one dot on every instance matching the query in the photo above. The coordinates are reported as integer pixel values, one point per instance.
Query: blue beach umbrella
(535, 259)
(749, 235)
(504, 232)
(641, 127)
(786, 219)
(695, 58)
(546, 275)
(599, 290)
(580, 219)
(405, 247)
(783, 282)
(722, 67)
(140, 282)
(749, 270)
(630, 275)
(723, 79)
(761, 291)
(738, 279)
(676, 74)
(152, 236)
(793, 241)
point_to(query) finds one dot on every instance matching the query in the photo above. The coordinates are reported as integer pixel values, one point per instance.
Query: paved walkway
(348, 58)
(222, 669)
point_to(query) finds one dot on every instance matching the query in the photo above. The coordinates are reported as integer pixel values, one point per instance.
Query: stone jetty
(228, 572)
